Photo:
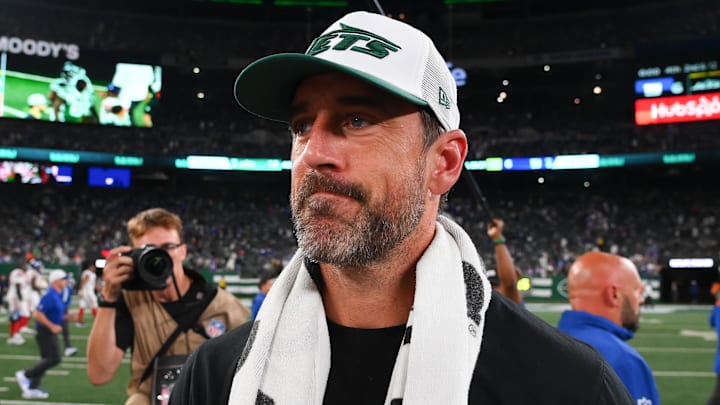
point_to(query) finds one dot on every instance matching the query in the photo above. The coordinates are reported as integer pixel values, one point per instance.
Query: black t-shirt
(523, 360)
(361, 364)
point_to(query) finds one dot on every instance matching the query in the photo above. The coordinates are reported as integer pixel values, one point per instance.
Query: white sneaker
(17, 339)
(70, 351)
(28, 330)
(22, 381)
(35, 393)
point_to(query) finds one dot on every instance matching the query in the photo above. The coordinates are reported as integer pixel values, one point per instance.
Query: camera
(151, 268)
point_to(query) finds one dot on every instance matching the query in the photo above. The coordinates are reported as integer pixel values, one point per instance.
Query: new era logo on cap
(443, 98)
(387, 53)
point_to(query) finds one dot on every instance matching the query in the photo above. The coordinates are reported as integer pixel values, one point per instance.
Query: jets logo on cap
(353, 39)
(443, 98)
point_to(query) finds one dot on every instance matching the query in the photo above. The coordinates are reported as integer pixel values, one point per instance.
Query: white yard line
(684, 374)
(21, 402)
(83, 360)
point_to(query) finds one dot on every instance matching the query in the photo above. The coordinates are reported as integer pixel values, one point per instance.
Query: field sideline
(675, 340)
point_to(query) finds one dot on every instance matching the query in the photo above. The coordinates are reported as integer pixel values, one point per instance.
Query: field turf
(675, 340)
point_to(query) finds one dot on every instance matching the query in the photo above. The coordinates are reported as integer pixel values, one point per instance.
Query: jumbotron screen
(34, 173)
(59, 82)
(678, 92)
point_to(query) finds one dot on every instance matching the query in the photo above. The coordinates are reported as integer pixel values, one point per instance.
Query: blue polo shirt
(256, 304)
(67, 294)
(52, 305)
(715, 323)
(609, 339)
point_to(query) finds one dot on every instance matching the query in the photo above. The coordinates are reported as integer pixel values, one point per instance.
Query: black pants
(715, 398)
(66, 333)
(49, 356)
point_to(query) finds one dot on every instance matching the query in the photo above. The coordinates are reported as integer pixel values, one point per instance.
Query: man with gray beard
(385, 301)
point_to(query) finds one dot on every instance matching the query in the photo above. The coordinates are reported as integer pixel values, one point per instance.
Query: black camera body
(151, 268)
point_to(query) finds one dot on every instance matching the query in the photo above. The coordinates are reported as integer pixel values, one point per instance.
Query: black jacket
(523, 360)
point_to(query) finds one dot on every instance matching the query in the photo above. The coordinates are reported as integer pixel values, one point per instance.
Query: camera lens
(151, 268)
(156, 264)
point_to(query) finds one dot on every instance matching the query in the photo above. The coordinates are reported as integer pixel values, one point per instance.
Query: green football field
(676, 341)
(19, 86)
(679, 345)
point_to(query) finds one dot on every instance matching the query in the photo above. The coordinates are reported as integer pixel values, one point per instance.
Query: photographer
(151, 304)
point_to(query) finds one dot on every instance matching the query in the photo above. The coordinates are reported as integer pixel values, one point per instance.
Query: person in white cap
(37, 105)
(385, 301)
(49, 316)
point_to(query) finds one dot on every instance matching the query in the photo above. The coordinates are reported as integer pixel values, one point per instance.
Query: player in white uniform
(35, 286)
(18, 307)
(86, 291)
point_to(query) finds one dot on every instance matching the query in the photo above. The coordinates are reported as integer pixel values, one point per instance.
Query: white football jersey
(17, 280)
(90, 278)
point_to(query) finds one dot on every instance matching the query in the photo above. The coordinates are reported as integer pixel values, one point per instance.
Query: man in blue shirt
(264, 285)
(49, 316)
(605, 294)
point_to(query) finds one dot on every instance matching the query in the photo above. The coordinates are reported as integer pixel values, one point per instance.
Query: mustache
(315, 183)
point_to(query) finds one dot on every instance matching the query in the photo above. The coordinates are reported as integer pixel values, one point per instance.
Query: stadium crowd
(246, 229)
(242, 230)
(505, 138)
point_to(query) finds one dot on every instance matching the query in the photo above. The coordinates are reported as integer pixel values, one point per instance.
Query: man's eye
(300, 127)
(358, 122)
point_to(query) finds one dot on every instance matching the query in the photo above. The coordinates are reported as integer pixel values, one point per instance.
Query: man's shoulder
(209, 371)
(508, 320)
(520, 348)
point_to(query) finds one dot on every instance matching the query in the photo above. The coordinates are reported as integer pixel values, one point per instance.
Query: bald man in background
(605, 294)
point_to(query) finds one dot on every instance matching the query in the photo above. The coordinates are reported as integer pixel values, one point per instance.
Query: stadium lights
(200, 95)
(541, 180)
(546, 68)
(196, 70)
(691, 263)
(597, 90)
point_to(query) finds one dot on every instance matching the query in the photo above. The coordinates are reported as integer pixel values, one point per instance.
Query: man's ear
(446, 160)
(611, 296)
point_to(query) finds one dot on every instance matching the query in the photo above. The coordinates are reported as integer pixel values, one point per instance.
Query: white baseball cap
(56, 275)
(387, 53)
(36, 99)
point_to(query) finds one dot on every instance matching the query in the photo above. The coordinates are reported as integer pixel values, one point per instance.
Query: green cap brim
(266, 87)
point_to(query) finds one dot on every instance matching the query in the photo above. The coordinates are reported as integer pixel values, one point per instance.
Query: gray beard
(369, 237)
